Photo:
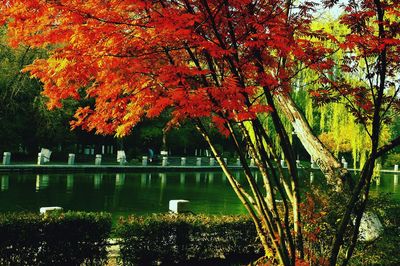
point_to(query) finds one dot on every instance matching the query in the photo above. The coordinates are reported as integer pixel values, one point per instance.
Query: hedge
(70, 238)
(171, 239)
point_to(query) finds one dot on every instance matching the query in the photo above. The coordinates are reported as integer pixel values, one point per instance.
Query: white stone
(97, 161)
(46, 153)
(121, 157)
(44, 210)
(71, 158)
(179, 206)
(183, 161)
(6, 158)
(370, 227)
(313, 164)
(144, 160)
(212, 161)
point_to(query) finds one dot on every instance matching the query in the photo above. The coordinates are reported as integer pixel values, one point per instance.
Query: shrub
(382, 250)
(70, 238)
(169, 238)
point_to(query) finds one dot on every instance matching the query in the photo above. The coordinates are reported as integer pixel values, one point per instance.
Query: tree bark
(329, 165)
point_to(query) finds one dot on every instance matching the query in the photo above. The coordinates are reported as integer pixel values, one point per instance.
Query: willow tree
(225, 64)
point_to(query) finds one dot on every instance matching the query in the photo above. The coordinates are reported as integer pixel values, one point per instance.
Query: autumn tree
(226, 64)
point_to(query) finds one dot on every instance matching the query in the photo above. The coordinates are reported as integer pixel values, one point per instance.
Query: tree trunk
(328, 164)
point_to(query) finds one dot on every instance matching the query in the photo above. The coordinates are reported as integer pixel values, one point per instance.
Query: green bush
(169, 238)
(70, 238)
(382, 251)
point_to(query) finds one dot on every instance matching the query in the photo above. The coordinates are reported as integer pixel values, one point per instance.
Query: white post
(345, 164)
(183, 160)
(298, 165)
(313, 164)
(71, 159)
(6, 158)
(97, 161)
(396, 167)
(212, 161)
(251, 162)
(40, 159)
(238, 162)
(164, 161)
(144, 160)
(226, 161)
(198, 161)
(123, 160)
(283, 163)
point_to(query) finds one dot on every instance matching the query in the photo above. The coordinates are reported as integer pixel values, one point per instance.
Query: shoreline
(34, 168)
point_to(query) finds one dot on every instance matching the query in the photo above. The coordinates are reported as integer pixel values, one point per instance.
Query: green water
(137, 193)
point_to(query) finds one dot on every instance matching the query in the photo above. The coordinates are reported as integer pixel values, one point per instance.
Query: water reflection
(182, 177)
(70, 182)
(97, 180)
(4, 182)
(119, 181)
(139, 193)
(42, 182)
(143, 180)
(163, 177)
(211, 177)
(223, 177)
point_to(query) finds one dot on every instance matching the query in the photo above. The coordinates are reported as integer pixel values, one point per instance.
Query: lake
(136, 193)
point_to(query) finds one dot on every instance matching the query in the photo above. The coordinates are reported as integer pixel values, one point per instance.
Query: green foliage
(172, 238)
(322, 216)
(383, 250)
(70, 238)
(392, 159)
(25, 121)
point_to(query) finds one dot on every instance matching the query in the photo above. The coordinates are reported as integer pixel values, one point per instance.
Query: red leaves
(140, 58)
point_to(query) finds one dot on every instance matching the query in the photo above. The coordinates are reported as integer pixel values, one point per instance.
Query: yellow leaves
(110, 43)
(342, 144)
(58, 64)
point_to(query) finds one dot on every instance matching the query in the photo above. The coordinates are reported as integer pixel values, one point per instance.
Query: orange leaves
(139, 58)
